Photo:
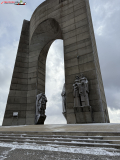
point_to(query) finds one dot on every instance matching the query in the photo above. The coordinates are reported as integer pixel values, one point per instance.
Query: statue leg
(83, 100)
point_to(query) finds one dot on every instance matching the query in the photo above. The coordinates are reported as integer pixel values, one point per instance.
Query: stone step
(54, 136)
(87, 139)
(61, 139)
(64, 133)
(111, 137)
(63, 136)
(105, 145)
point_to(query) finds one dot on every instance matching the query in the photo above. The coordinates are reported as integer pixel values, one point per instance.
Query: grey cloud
(54, 84)
(109, 61)
(5, 77)
(106, 26)
(54, 111)
(113, 100)
(55, 119)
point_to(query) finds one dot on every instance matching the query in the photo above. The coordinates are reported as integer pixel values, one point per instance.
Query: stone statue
(80, 92)
(83, 91)
(63, 94)
(76, 92)
(40, 108)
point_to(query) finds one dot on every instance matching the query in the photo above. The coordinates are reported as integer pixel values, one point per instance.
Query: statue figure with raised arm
(40, 108)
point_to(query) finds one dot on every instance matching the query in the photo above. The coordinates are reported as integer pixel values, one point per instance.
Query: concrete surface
(98, 127)
(28, 154)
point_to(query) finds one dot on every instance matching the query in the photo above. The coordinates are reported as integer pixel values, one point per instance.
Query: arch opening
(55, 78)
(44, 35)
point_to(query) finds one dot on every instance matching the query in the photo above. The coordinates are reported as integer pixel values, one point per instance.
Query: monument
(84, 102)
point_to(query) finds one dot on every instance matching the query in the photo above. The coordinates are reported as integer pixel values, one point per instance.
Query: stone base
(40, 119)
(83, 114)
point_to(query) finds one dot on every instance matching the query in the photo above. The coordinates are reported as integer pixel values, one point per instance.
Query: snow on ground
(4, 154)
(62, 148)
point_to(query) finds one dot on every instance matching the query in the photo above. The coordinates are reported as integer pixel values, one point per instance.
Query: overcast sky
(106, 21)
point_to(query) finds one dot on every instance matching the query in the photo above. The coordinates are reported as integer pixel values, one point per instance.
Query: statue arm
(74, 93)
(80, 90)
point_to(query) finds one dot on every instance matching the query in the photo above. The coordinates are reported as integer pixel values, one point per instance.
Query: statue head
(77, 79)
(83, 80)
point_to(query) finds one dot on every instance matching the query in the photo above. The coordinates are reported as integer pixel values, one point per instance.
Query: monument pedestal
(83, 114)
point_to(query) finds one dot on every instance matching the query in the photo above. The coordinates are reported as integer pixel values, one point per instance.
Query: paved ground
(20, 154)
(105, 127)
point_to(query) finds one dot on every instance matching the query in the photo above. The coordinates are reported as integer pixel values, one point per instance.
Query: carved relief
(80, 92)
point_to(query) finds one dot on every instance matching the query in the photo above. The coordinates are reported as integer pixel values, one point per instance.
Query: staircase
(78, 139)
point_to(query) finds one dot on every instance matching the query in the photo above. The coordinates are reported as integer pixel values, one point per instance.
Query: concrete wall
(17, 98)
(70, 21)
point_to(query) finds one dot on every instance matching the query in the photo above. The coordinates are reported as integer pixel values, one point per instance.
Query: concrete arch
(41, 40)
(71, 21)
(44, 35)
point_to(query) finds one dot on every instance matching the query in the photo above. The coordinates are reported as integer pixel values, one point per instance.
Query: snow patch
(69, 149)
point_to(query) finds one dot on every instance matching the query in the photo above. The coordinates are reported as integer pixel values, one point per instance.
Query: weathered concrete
(106, 129)
(70, 21)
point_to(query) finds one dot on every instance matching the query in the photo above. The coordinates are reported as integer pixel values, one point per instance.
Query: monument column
(81, 57)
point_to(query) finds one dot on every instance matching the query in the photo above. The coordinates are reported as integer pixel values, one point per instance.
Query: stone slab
(95, 127)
